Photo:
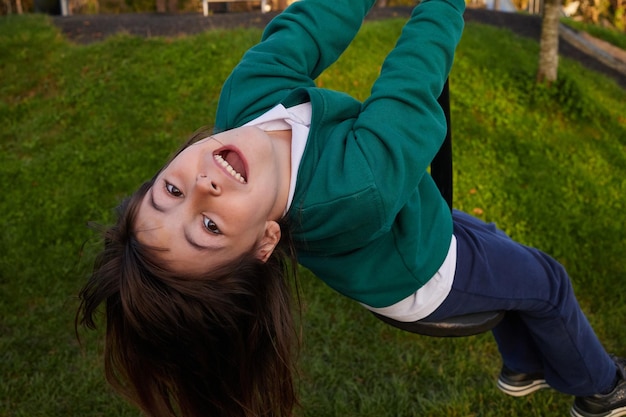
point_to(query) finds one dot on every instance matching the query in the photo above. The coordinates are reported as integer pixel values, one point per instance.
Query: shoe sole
(520, 391)
(613, 413)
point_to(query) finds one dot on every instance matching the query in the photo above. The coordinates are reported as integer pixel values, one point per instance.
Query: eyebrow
(200, 247)
(153, 203)
(195, 244)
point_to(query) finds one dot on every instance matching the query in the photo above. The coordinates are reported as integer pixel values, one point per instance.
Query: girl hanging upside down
(194, 273)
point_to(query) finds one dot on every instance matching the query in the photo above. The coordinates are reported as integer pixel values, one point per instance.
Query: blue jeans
(544, 328)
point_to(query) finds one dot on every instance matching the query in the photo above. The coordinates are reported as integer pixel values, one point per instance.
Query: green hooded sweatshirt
(368, 218)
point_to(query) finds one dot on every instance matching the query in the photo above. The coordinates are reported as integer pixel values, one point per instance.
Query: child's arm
(401, 126)
(296, 47)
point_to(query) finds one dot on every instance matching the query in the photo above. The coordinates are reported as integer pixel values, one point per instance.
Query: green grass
(82, 126)
(612, 36)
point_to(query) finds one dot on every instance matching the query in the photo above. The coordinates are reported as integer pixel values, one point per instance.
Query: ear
(269, 241)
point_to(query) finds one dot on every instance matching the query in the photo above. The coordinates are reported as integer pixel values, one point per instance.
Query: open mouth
(232, 163)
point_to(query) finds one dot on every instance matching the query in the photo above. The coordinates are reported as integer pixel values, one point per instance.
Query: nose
(205, 184)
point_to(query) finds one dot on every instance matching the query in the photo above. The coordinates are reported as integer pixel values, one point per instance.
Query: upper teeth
(229, 168)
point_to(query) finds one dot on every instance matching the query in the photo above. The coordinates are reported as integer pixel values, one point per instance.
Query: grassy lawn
(82, 126)
(612, 36)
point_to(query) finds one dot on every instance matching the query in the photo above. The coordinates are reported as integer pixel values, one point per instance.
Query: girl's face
(218, 199)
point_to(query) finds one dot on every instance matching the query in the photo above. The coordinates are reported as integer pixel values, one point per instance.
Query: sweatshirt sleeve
(296, 47)
(401, 126)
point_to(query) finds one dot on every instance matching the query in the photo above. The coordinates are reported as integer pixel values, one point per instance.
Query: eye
(211, 226)
(173, 190)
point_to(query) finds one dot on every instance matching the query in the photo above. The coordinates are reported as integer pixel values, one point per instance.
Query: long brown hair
(218, 344)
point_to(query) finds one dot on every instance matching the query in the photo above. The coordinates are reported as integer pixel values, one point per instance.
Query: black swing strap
(441, 165)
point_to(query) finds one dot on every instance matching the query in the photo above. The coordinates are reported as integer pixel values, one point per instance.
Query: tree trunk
(549, 43)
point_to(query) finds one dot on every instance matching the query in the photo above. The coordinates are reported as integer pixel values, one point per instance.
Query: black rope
(441, 165)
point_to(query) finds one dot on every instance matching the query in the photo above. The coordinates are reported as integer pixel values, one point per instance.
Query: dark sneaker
(612, 404)
(518, 384)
